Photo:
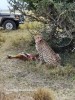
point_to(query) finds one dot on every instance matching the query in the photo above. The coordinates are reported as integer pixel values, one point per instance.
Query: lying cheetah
(46, 53)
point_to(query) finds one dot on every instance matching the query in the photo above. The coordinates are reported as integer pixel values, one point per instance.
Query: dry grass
(15, 96)
(3, 96)
(19, 39)
(2, 39)
(17, 73)
(31, 25)
(22, 41)
(43, 94)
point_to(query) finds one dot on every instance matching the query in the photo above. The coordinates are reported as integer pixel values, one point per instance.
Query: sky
(3, 5)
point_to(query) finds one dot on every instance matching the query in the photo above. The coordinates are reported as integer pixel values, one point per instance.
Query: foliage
(58, 15)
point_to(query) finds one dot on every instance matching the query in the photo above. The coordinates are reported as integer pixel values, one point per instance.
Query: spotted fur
(46, 53)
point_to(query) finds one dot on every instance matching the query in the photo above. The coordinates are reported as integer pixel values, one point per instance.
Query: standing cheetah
(46, 53)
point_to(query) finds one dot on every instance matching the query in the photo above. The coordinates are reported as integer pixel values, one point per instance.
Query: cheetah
(46, 53)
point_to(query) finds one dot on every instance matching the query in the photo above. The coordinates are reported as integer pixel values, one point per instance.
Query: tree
(58, 16)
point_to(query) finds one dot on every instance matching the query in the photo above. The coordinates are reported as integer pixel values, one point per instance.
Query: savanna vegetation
(54, 19)
(26, 76)
(57, 17)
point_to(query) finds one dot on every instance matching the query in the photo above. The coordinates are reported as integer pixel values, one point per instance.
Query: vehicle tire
(9, 25)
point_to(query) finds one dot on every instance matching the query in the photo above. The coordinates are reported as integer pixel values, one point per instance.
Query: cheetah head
(38, 38)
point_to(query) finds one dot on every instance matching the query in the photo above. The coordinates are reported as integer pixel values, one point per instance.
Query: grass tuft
(43, 94)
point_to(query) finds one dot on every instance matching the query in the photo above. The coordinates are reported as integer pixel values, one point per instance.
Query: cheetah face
(38, 38)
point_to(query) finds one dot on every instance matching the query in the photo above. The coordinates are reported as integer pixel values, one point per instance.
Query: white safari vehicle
(11, 21)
